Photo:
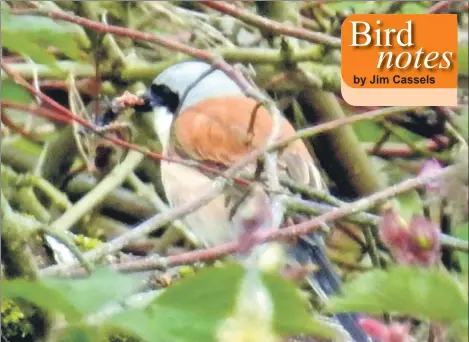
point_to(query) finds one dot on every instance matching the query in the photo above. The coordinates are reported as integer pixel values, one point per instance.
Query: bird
(200, 113)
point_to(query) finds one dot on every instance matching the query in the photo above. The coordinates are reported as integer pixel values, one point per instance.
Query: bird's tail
(326, 282)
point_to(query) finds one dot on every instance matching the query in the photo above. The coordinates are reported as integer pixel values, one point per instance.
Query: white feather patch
(162, 121)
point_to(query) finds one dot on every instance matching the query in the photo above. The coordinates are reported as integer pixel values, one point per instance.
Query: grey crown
(179, 77)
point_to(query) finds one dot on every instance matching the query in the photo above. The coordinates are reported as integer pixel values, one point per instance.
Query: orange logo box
(400, 59)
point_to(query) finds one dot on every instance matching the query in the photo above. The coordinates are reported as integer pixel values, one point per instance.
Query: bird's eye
(163, 96)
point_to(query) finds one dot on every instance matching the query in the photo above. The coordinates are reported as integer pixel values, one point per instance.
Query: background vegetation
(90, 250)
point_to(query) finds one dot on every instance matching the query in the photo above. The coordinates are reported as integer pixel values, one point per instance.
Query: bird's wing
(223, 130)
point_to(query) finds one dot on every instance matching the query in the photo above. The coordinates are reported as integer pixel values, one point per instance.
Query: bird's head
(181, 86)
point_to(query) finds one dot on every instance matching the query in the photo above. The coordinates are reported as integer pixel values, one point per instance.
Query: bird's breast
(211, 223)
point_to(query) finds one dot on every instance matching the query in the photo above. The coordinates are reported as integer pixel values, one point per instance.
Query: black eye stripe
(161, 95)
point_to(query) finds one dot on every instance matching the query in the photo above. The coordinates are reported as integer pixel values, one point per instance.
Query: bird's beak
(146, 106)
(146, 117)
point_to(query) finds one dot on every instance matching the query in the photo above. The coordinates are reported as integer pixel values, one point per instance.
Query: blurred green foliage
(31, 36)
(190, 310)
(431, 294)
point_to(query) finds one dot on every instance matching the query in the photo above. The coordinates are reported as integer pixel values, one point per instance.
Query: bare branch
(225, 249)
(271, 25)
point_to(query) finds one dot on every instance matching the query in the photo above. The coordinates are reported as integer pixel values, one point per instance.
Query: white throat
(162, 125)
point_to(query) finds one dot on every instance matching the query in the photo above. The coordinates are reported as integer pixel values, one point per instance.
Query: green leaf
(368, 131)
(291, 314)
(40, 295)
(462, 122)
(79, 333)
(15, 42)
(413, 8)
(72, 297)
(31, 35)
(410, 204)
(195, 308)
(361, 7)
(462, 232)
(90, 294)
(190, 310)
(28, 148)
(463, 58)
(12, 91)
(424, 293)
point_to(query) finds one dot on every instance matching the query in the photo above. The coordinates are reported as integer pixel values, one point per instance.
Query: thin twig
(254, 55)
(65, 240)
(53, 194)
(17, 128)
(400, 150)
(310, 192)
(120, 199)
(45, 113)
(371, 246)
(120, 31)
(217, 61)
(163, 218)
(17, 259)
(150, 194)
(97, 195)
(171, 44)
(272, 25)
(362, 204)
(273, 110)
(439, 7)
(46, 99)
(381, 141)
(362, 219)
(67, 116)
(327, 126)
(222, 250)
(413, 146)
(452, 125)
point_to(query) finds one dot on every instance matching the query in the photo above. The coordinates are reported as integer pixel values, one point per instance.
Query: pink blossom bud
(395, 332)
(393, 230)
(417, 243)
(425, 242)
(374, 328)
